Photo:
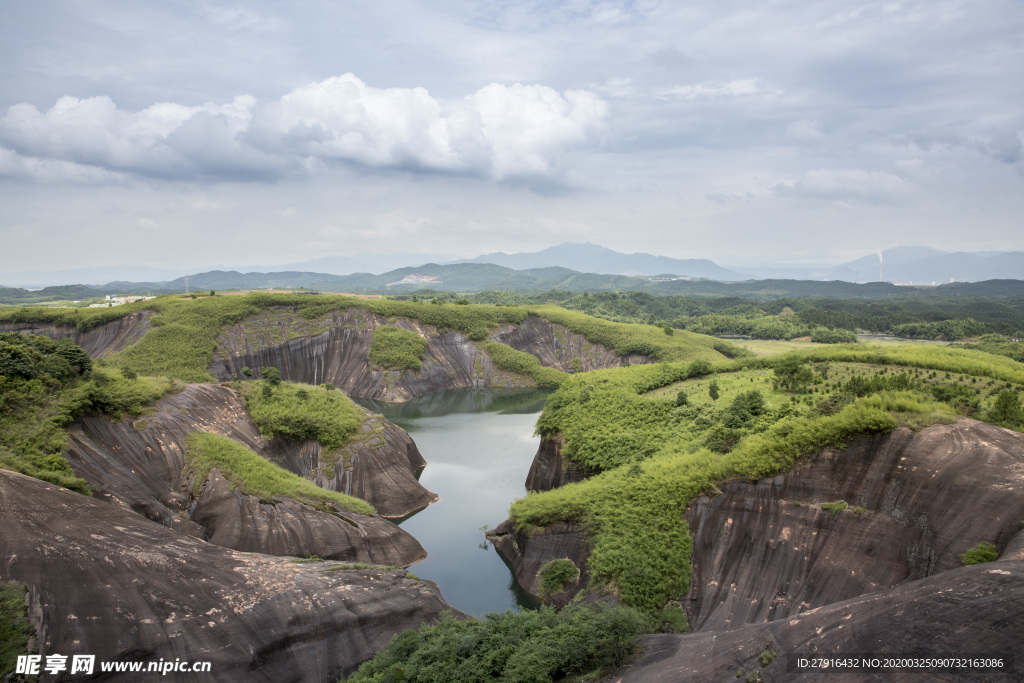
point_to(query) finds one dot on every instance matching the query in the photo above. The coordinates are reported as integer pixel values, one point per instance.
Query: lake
(478, 444)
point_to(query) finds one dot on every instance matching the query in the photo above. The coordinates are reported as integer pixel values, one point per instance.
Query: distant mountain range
(592, 258)
(911, 265)
(566, 266)
(478, 277)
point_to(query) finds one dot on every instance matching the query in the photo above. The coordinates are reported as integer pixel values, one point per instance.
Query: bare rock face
(768, 550)
(549, 469)
(913, 502)
(527, 553)
(968, 611)
(98, 342)
(139, 465)
(108, 582)
(556, 347)
(335, 350)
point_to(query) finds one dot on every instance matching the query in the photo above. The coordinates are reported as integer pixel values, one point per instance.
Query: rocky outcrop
(527, 552)
(102, 580)
(968, 611)
(557, 347)
(549, 469)
(334, 351)
(99, 342)
(768, 550)
(139, 463)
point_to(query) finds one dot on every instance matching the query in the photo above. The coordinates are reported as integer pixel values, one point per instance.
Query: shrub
(555, 575)
(15, 629)
(301, 413)
(394, 348)
(271, 375)
(254, 476)
(534, 645)
(983, 552)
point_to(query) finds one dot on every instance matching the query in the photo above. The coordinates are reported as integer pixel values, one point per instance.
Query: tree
(713, 390)
(792, 375)
(247, 371)
(682, 399)
(271, 375)
(1007, 408)
(699, 368)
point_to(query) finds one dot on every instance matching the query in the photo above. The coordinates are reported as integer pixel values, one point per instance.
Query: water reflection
(478, 444)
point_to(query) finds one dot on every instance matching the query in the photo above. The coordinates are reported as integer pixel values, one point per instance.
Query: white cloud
(743, 86)
(846, 186)
(805, 130)
(497, 132)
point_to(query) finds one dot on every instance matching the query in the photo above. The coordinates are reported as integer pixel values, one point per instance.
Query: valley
(226, 466)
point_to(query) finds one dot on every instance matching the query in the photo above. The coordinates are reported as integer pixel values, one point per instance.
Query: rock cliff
(334, 351)
(138, 464)
(98, 342)
(768, 550)
(973, 610)
(104, 581)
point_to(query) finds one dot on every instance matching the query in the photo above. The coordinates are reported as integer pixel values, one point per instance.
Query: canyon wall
(104, 581)
(138, 463)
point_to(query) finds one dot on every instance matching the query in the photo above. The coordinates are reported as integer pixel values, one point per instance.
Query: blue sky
(198, 134)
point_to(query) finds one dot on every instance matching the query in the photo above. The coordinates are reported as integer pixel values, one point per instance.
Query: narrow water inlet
(478, 444)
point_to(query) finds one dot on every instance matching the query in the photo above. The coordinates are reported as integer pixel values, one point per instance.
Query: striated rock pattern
(972, 610)
(767, 550)
(139, 463)
(549, 470)
(98, 342)
(334, 351)
(556, 347)
(104, 581)
(527, 553)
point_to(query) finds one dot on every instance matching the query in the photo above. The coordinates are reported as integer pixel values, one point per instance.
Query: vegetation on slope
(394, 348)
(44, 386)
(184, 331)
(301, 412)
(521, 363)
(255, 476)
(537, 645)
(656, 452)
(15, 629)
(911, 313)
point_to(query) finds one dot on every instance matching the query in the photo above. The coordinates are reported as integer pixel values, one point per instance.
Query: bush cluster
(395, 348)
(534, 646)
(253, 475)
(44, 386)
(302, 412)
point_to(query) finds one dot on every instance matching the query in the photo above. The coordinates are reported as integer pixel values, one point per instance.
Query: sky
(197, 134)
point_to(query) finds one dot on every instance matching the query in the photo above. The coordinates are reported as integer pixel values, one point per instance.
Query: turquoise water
(478, 444)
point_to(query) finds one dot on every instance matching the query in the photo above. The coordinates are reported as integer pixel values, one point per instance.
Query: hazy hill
(592, 258)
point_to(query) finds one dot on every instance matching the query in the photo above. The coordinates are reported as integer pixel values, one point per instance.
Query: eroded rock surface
(139, 463)
(99, 342)
(335, 350)
(767, 550)
(549, 469)
(527, 553)
(972, 610)
(108, 582)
